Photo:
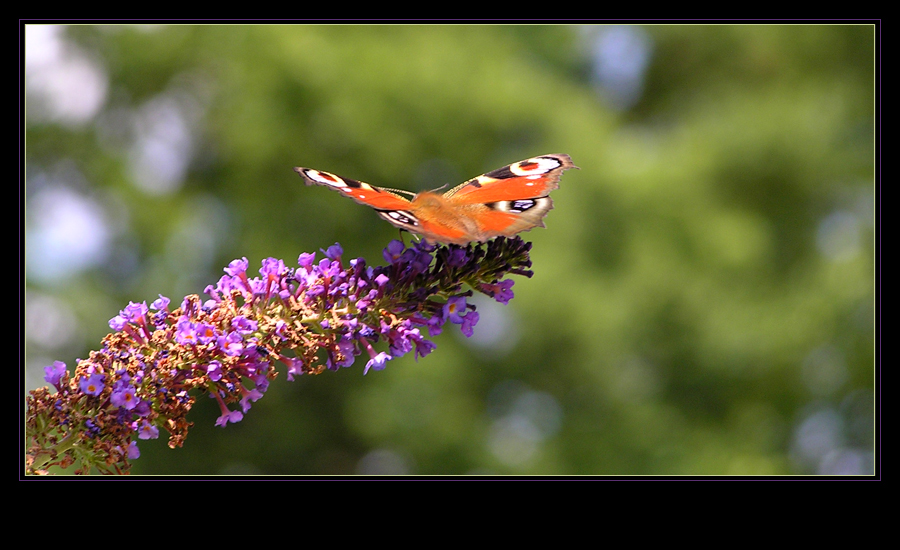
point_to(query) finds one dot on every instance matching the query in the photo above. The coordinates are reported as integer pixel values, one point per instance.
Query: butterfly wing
(390, 205)
(378, 198)
(511, 199)
(500, 203)
(526, 179)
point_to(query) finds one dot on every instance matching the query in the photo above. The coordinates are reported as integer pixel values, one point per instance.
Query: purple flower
(161, 304)
(421, 260)
(117, 323)
(262, 383)
(502, 291)
(249, 395)
(92, 426)
(124, 397)
(54, 373)
(401, 343)
(295, 367)
(229, 416)
(135, 313)
(455, 309)
(343, 355)
(393, 251)
(329, 268)
(435, 324)
(237, 267)
(143, 408)
(205, 332)
(214, 370)
(243, 325)
(272, 268)
(424, 347)
(231, 343)
(457, 257)
(377, 362)
(306, 260)
(273, 271)
(334, 252)
(133, 452)
(186, 332)
(92, 385)
(468, 324)
(381, 279)
(314, 291)
(146, 430)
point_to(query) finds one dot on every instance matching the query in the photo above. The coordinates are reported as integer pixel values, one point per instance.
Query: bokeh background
(703, 296)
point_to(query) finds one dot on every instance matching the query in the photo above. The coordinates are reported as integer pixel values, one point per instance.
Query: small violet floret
(92, 385)
(54, 373)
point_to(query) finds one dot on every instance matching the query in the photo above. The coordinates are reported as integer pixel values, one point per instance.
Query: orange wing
(363, 193)
(526, 179)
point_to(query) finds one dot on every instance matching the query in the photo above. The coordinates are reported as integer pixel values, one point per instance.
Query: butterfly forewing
(361, 192)
(526, 179)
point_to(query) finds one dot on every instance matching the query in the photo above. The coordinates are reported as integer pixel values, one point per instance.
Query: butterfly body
(502, 202)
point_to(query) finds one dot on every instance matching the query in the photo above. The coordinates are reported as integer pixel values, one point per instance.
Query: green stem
(60, 448)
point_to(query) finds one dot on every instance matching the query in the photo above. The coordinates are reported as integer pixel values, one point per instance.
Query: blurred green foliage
(703, 297)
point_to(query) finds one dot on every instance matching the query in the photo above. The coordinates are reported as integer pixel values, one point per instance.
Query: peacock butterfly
(503, 202)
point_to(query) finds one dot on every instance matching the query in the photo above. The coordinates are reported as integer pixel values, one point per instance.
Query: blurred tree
(703, 298)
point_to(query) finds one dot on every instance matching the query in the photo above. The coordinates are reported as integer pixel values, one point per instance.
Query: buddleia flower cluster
(320, 315)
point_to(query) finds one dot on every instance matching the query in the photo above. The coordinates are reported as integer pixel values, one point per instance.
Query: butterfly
(502, 202)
